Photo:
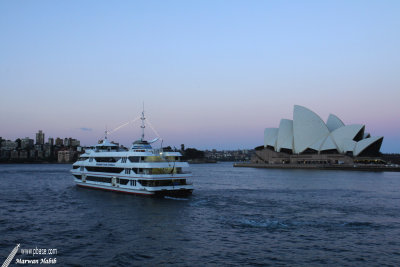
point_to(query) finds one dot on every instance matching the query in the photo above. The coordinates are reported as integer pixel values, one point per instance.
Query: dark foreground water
(237, 216)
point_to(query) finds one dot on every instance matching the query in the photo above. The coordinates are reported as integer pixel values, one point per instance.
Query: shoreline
(34, 162)
(320, 167)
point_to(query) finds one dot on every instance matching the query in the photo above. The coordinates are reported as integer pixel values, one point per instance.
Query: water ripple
(236, 217)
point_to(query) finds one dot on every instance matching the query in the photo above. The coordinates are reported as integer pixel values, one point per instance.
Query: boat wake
(176, 198)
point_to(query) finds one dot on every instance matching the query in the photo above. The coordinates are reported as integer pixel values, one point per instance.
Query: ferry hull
(174, 193)
(160, 193)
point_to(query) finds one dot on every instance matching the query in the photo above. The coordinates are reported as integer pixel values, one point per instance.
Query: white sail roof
(365, 143)
(334, 122)
(348, 145)
(308, 131)
(329, 144)
(270, 136)
(308, 128)
(341, 135)
(285, 135)
(317, 145)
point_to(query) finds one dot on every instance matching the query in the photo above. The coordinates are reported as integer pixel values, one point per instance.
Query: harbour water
(236, 217)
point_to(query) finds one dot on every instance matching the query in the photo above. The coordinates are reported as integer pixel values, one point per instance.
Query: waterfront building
(307, 139)
(48, 149)
(4, 154)
(75, 143)
(8, 145)
(66, 156)
(67, 141)
(59, 142)
(14, 154)
(40, 154)
(23, 154)
(47, 153)
(26, 149)
(27, 143)
(40, 138)
(234, 155)
(32, 154)
(51, 141)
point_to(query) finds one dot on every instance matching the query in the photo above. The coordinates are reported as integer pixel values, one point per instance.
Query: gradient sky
(212, 74)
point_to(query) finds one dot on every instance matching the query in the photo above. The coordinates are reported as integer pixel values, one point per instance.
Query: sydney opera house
(307, 139)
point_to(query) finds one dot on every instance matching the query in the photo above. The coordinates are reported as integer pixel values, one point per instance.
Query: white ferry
(139, 170)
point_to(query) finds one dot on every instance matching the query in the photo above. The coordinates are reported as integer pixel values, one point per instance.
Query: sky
(211, 74)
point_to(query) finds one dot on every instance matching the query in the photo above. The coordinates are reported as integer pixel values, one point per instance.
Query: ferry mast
(142, 126)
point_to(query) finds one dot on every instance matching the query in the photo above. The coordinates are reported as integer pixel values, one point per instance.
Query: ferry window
(138, 170)
(104, 169)
(134, 159)
(163, 182)
(123, 181)
(98, 179)
(104, 159)
(142, 158)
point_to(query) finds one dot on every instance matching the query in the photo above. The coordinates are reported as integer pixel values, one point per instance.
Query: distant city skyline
(211, 74)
